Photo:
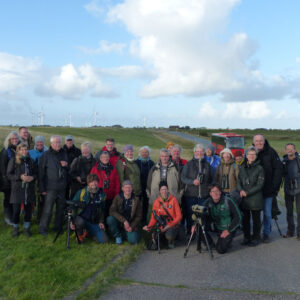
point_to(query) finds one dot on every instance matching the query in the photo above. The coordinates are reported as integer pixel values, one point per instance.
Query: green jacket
(225, 214)
(129, 170)
(116, 210)
(251, 179)
(83, 195)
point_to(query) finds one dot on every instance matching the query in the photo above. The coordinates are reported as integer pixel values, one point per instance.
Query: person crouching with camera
(126, 214)
(91, 217)
(167, 208)
(225, 215)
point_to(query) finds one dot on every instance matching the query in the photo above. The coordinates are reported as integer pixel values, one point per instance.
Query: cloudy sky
(213, 63)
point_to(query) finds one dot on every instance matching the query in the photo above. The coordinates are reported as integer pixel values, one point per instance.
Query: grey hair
(10, 135)
(147, 148)
(177, 147)
(86, 145)
(163, 150)
(252, 148)
(259, 135)
(55, 137)
(199, 146)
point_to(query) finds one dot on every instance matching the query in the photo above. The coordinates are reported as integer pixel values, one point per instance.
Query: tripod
(156, 234)
(69, 218)
(199, 226)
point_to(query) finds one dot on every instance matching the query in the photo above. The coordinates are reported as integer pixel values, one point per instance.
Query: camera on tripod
(199, 211)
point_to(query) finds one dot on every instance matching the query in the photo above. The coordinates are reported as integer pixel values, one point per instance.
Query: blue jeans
(117, 230)
(190, 201)
(267, 215)
(96, 231)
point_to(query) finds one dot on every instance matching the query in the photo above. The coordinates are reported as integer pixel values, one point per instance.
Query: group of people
(117, 189)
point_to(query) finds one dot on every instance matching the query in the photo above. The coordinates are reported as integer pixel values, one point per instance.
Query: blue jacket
(214, 161)
(36, 154)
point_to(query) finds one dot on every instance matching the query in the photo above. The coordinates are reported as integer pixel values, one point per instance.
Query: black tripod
(69, 218)
(198, 226)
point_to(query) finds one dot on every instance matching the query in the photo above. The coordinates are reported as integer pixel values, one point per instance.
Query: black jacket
(197, 170)
(272, 166)
(52, 176)
(72, 153)
(81, 166)
(291, 173)
(21, 192)
(5, 156)
(145, 167)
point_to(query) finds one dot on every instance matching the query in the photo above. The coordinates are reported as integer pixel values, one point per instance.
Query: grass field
(35, 268)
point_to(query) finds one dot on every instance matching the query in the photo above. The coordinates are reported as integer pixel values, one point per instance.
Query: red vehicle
(229, 140)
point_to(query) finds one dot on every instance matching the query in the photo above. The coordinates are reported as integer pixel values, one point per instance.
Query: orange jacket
(173, 208)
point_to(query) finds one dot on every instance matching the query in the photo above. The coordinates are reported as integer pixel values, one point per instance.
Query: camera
(105, 184)
(161, 220)
(75, 204)
(200, 209)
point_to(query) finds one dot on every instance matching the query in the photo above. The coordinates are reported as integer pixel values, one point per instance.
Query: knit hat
(212, 148)
(69, 138)
(238, 153)
(170, 144)
(39, 138)
(162, 183)
(126, 182)
(226, 150)
(127, 147)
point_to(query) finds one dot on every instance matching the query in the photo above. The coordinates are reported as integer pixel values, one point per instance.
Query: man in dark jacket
(53, 176)
(197, 175)
(72, 153)
(291, 167)
(225, 215)
(80, 168)
(125, 215)
(272, 166)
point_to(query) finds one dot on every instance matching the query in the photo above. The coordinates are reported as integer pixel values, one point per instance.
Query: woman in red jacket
(167, 207)
(108, 178)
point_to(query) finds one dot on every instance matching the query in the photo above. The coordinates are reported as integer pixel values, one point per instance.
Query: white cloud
(104, 47)
(127, 72)
(247, 110)
(207, 111)
(17, 72)
(73, 83)
(182, 41)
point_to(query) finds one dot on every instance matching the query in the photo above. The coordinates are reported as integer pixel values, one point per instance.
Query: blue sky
(213, 63)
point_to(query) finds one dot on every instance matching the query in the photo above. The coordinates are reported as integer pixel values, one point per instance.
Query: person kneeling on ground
(91, 218)
(167, 207)
(225, 215)
(125, 215)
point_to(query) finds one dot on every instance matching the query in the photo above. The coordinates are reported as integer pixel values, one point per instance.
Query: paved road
(242, 273)
(192, 138)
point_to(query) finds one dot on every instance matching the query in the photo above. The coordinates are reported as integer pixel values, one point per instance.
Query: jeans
(94, 229)
(190, 201)
(267, 215)
(117, 230)
(289, 203)
(17, 210)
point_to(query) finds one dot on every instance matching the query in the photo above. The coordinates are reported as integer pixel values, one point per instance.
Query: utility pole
(95, 118)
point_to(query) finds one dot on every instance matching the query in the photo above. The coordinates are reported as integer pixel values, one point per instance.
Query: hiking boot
(27, 232)
(15, 232)
(171, 245)
(289, 234)
(119, 240)
(245, 242)
(266, 239)
(253, 243)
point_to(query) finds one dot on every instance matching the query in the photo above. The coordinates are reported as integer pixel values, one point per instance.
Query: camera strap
(166, 211)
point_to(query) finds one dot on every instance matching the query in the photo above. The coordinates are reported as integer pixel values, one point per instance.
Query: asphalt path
(191, 138)
(268, 271)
